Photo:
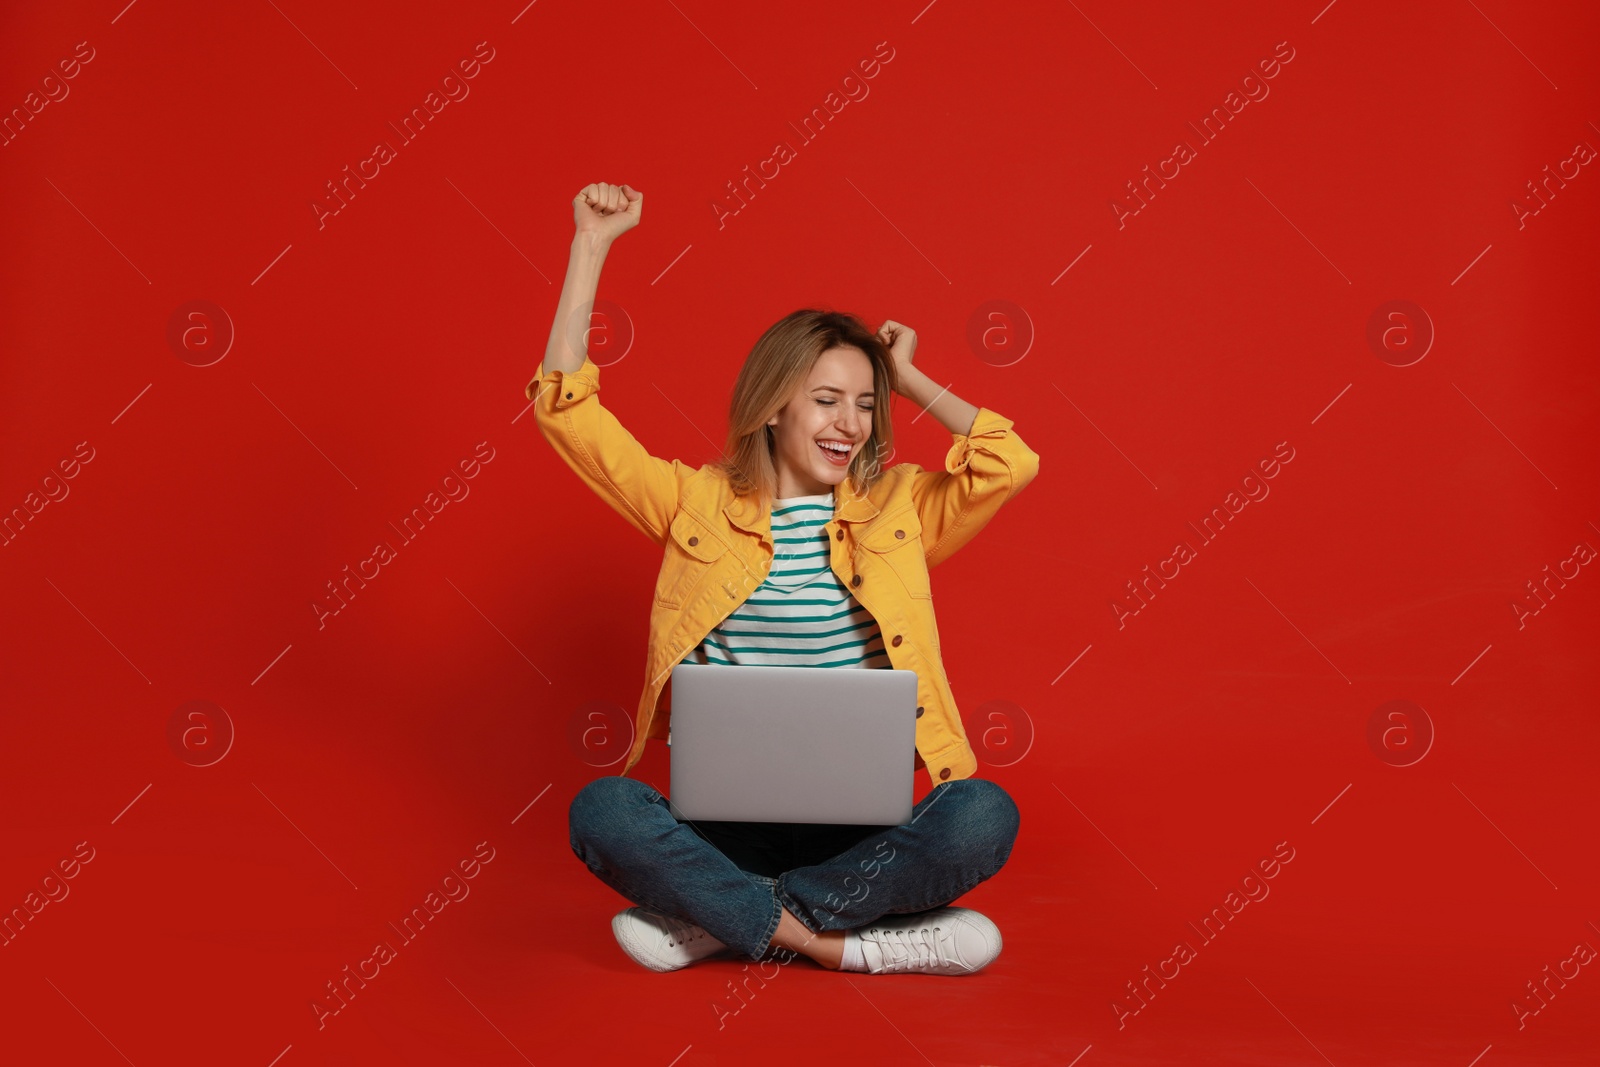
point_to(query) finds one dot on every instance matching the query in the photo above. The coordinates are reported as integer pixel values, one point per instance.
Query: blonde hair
(776, 367)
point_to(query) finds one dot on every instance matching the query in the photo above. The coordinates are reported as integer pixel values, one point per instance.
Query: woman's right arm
(640, 487)
(601, 212)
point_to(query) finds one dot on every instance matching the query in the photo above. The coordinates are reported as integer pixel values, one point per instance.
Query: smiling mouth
(835, 456)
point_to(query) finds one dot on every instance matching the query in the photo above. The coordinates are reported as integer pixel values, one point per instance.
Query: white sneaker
(661, 942)
(945, 941)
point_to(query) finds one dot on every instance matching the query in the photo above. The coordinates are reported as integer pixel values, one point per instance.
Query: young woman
(796, 548)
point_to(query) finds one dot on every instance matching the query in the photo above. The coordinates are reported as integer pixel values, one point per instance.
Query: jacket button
(694, 540)
(897, 640)
(839, 535)
(919, 713)
(944, 774)
(900, 533)
(569, 396)
(856, 580)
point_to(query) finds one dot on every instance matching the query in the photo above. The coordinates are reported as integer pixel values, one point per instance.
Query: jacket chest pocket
(894, 545)
(692, 551)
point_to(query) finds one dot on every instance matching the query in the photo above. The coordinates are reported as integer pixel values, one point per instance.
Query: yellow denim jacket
(718, 546)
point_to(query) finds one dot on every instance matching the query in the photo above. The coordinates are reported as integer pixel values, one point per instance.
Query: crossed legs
(735, 882)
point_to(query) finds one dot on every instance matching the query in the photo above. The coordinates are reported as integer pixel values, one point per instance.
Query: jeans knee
(993, 817)
(601, 807)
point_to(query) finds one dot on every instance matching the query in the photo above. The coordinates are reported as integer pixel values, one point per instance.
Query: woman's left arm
(956, 414)
(987, 464)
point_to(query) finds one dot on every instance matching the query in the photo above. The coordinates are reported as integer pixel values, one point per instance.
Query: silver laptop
(793, 744)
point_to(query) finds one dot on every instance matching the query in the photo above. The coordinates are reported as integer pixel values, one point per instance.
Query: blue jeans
(732, 878)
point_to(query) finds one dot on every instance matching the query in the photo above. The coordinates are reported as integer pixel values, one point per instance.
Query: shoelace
(926, 946)
(678, 931)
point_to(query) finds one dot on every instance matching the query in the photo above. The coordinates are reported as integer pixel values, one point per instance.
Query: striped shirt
(802, 615)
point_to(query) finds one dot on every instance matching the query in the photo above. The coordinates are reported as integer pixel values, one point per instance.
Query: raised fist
(607, 211)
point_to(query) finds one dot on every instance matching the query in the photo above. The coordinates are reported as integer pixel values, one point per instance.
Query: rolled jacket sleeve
(642, 488)
(983, 469)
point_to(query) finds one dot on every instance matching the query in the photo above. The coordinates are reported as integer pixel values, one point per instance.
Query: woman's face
(834, 404)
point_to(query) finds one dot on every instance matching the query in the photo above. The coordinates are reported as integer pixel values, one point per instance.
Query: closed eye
(830, 403)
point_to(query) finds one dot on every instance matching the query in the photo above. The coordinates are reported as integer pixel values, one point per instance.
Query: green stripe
(805, 635)
(802, 651)
(832, 663)
(739, 616)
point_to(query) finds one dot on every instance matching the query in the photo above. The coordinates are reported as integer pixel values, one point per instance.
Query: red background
(374, 353)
